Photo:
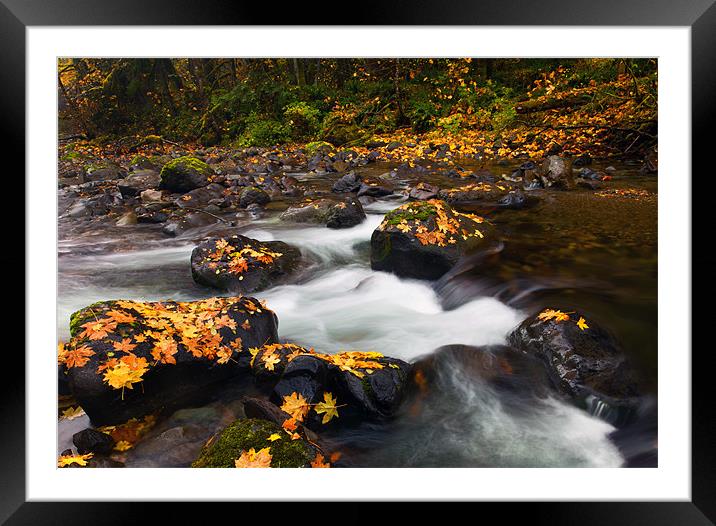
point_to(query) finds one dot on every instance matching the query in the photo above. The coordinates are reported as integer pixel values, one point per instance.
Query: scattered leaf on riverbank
(582, 323)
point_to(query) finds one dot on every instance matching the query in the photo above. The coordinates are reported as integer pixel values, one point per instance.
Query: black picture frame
(699, 15)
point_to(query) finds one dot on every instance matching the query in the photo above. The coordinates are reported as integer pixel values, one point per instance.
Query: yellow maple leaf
(270, 360)
(67, 460)
(123, 445)
(274, 437)
(254, 459)
(582, 323)
(126, 373)
(328, 408)
(551, 314)
(72, 412)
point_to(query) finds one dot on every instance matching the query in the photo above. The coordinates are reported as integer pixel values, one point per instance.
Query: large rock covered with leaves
(241, 264)
(581, 357)
(426, 239)
(127, 359)
(185, 174)
(334, 213)
(255, 443)
(320, 389)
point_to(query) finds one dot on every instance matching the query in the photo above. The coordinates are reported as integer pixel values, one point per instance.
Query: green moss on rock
(186, 164)
(420, 211)
(248, 433)
(85, 314)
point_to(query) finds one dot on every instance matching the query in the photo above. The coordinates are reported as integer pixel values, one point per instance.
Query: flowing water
(572, 249)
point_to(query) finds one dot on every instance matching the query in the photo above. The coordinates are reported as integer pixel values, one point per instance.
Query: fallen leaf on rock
(296, 406)
(328, 408)
(254, 459)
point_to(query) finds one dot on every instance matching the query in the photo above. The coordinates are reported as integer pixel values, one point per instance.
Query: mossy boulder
(127, 359)
(247, 433)
(582, 359)
(425, 239)
(241, 264)
(334, 213)
(318, 147)
(185, 174)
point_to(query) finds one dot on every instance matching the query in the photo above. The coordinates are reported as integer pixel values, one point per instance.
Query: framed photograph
(448, 257)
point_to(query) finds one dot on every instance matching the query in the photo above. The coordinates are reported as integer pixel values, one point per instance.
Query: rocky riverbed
(450, 314)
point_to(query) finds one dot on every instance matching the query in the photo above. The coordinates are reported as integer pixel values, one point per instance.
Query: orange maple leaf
(254, 459)
(318, 462)
(296, 406)
(78, 357)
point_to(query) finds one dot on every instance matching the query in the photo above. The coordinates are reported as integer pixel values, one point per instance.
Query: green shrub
(302, 119)
(422, 114)
(263, 132)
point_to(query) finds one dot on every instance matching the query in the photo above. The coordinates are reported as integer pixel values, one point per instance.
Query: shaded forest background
(500, 107)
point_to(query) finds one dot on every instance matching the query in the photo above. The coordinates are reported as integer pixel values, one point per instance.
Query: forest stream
(570, 249)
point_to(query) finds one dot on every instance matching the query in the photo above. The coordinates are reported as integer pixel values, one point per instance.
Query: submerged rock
(250, 433)
(424, 240)
(423, 191)
(484, 191)
(177, 441)
(331, 212)
(252, 195)
(242, 264)
(581, 357)
(185, 174)
(127, 359)
(556, 172)
(179, 223)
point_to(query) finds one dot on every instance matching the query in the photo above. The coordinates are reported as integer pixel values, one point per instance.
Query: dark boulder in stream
(351, 182)
(185, 174)
(92, 441)
(582, 358)
(333, 213)
(364, 385)
(137, 182)
(426, 239)
(128, 359)
(241, 264)
(201, 197)
(252, 195)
